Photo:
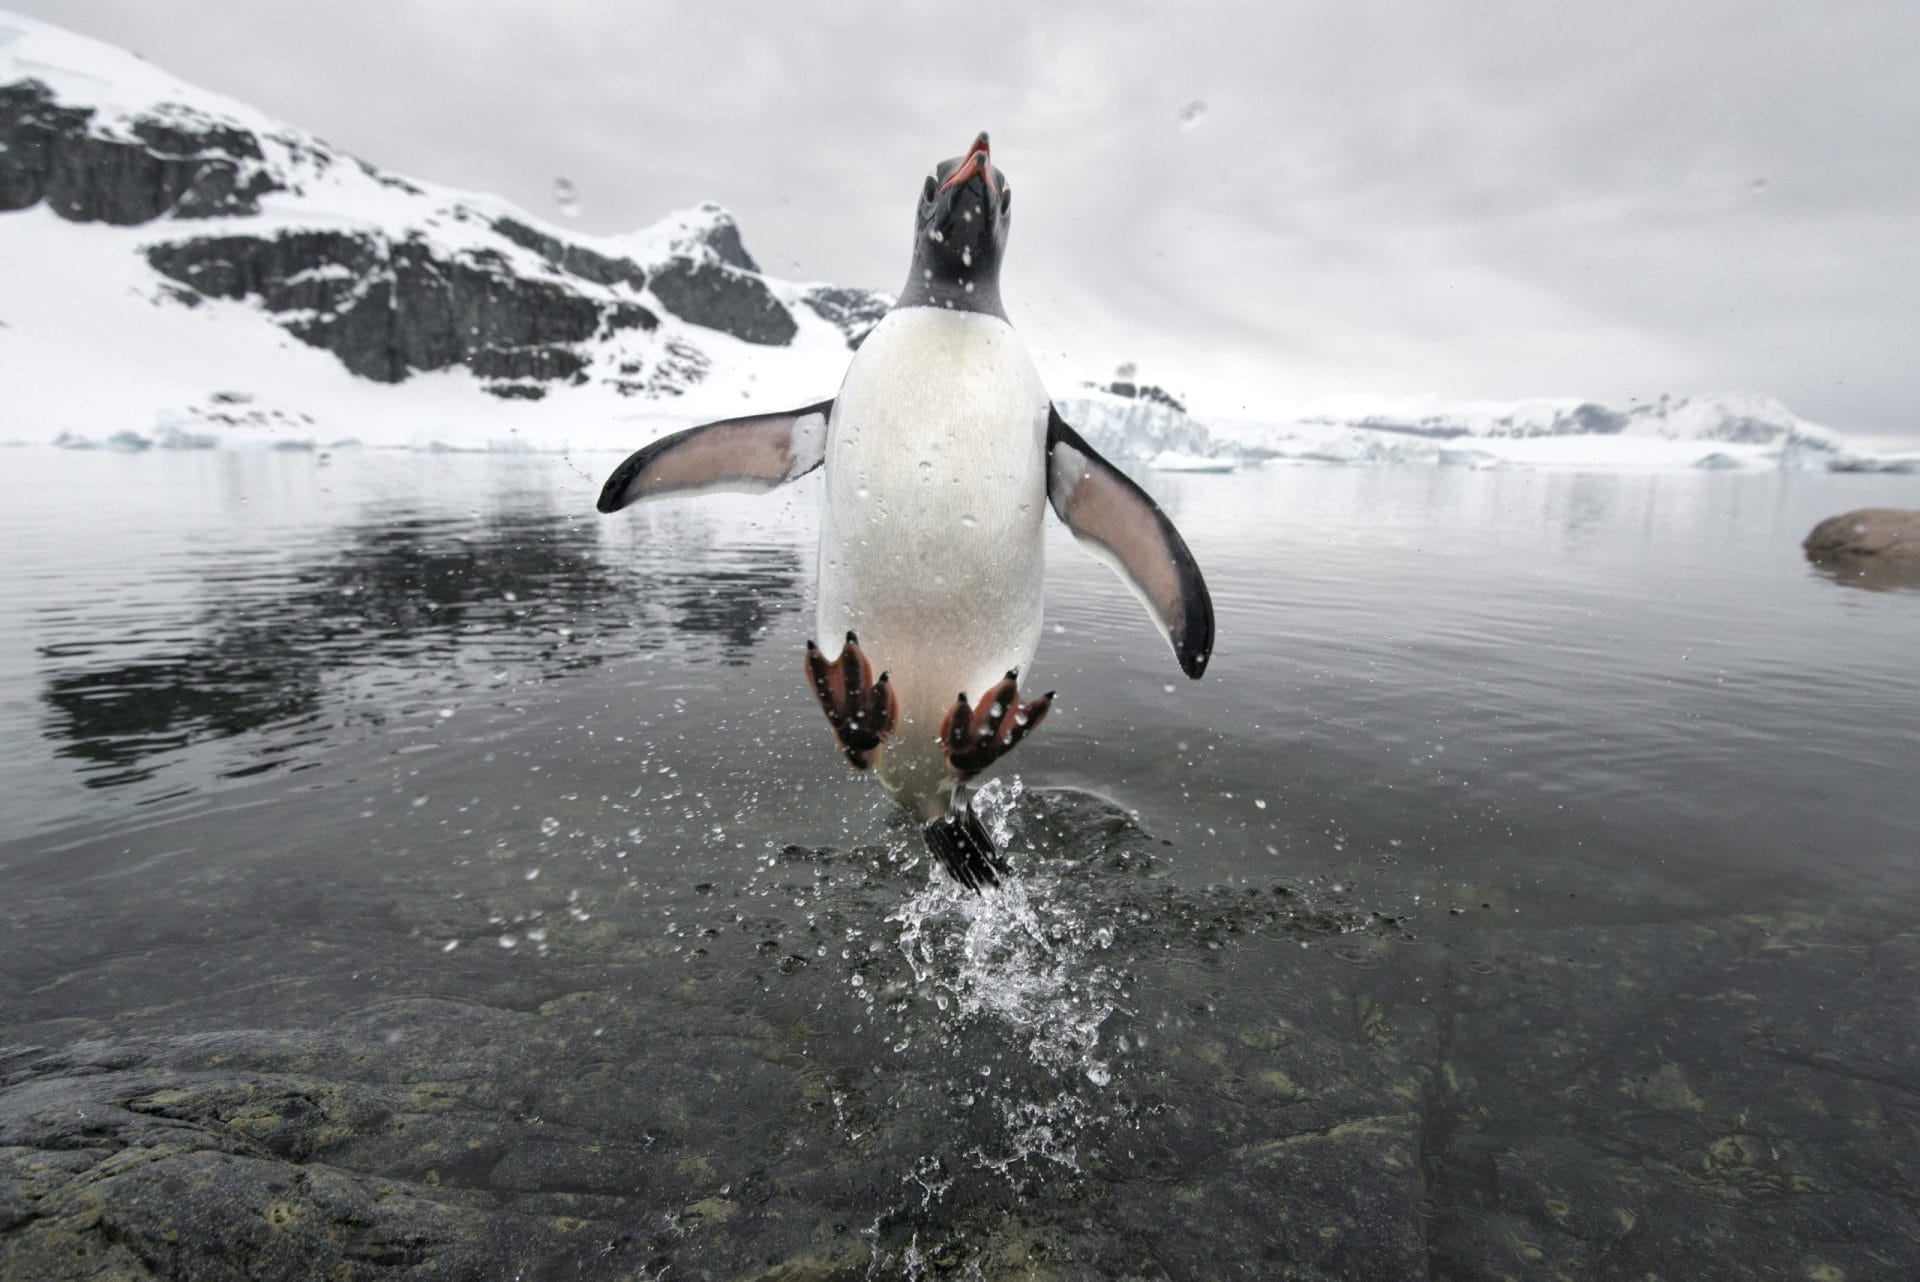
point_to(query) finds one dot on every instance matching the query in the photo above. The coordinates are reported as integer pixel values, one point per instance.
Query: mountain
(129, 199)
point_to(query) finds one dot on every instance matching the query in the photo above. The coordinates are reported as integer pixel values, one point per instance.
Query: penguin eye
(926, 192)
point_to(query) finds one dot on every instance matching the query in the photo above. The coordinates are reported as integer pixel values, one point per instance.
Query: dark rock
(389, 309)
(854, 312)
(1892, 533)
(1874, 547)
(723, 297)
(180, 164)
(1149, 392)
(575, 260)
(722, 236)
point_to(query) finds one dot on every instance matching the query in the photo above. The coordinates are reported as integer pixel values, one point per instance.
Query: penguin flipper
(965, 848)
(750, 454)
(1116, 521)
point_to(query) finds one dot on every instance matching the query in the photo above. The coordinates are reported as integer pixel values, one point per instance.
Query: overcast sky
(1471, 200)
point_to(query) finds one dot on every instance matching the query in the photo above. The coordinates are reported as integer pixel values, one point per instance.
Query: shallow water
(1527, 887)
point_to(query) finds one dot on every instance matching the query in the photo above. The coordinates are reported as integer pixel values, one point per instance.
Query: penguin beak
(978, 160)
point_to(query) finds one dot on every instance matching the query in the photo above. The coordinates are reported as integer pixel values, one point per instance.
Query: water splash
(1026, 957)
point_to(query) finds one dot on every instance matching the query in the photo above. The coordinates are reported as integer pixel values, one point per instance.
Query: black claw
(852, 639)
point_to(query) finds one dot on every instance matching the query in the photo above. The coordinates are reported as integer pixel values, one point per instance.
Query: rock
(389, 309)
(709, 292)
(853, 312)
(1873, 547)
(576, 260)
(721, 235)
(1890, 532)
(181, 164)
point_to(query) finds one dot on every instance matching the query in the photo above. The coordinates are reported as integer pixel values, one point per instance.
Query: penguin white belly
(931, 541)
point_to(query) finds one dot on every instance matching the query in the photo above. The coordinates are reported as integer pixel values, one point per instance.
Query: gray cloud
(1489, 200)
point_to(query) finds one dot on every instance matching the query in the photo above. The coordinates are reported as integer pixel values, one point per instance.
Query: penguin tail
(965, 848)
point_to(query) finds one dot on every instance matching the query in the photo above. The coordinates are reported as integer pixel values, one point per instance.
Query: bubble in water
(1192, 115)
(567, 197)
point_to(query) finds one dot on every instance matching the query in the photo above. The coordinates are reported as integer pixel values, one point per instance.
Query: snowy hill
(184, 270)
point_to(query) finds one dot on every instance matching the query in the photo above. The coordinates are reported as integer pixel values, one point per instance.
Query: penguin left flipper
(1116, 521)
(750, 454)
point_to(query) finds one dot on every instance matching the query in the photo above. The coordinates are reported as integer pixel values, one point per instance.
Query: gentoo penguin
(941, 451)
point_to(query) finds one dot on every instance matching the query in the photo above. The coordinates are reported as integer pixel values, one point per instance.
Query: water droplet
(1192, 116)
(567, 197)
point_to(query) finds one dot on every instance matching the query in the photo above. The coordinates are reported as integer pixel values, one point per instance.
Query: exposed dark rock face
(182, 165)
(389, 309)
(575, 260)
(854, 312)
(723, 297)
(722, 236)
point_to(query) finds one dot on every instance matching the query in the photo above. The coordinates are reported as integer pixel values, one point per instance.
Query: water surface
(1527, 886)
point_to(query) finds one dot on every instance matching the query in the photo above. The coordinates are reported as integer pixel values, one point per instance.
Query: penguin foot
(965, 848)
(974, 738)
(861, 710)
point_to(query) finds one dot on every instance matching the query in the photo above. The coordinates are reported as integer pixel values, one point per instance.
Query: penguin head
(960, 231)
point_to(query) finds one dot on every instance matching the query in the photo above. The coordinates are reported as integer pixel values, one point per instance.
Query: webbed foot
(965, 848)
(974, 738)
(861, 710)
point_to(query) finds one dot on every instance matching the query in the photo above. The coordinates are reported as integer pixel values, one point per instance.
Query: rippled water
(1427, 912)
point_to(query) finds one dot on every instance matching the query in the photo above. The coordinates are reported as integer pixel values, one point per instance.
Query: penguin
(941, 452)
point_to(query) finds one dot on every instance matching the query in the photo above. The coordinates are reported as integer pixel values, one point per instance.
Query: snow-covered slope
(183, 270)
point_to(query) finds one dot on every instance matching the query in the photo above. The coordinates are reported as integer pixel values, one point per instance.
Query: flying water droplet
(567, 197)
(1192, 115)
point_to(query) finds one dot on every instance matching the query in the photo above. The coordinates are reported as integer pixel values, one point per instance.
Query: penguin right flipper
(750, 454)
(1118, 523)
(965, 848)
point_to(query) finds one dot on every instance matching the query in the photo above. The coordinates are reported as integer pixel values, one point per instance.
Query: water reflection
(405, 603)
(1873, 573)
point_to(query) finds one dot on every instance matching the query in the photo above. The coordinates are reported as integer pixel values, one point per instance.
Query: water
(1528, 885)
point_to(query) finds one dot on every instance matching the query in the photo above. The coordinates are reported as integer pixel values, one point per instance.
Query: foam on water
(1024, 955)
